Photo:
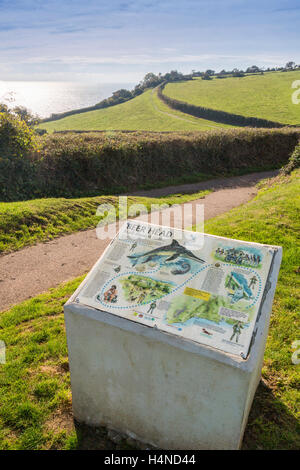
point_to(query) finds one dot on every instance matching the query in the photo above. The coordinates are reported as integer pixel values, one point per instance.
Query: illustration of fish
(172, 254)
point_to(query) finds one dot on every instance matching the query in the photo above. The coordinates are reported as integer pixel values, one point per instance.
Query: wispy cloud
(156, 59)
(126, 36)
(287, 9)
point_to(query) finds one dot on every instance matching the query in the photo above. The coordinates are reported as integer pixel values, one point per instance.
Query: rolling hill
(267, 96)
(145, 112)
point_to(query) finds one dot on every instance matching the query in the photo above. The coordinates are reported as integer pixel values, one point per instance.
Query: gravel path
(32, 270)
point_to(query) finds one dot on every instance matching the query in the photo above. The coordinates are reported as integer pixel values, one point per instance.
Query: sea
(43, 98)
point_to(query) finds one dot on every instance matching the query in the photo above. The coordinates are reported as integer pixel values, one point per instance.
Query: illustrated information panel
(201, 287)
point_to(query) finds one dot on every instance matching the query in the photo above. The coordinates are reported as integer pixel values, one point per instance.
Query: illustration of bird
(206, 332)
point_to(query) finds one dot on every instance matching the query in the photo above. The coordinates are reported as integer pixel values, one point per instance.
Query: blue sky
(120, 41)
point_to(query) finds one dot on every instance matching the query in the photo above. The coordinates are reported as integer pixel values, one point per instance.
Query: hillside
(267, 96)
(145, 112)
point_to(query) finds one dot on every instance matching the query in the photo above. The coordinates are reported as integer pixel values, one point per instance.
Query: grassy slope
(145, 112)
(266, 96)
(27, 222)
(273, 218)
(35, 397)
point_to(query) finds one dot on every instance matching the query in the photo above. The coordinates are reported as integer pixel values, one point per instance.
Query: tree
(290, 65)
(151, 80)
(206, 76)
(26, 116)
(173, 76)
(4, 108)
(16, 138)
(237, 73)
(253, 69)
(197, 74)
(138, 90)
(122, 93)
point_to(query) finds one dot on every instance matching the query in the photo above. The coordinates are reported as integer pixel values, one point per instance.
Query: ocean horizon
(50, 97)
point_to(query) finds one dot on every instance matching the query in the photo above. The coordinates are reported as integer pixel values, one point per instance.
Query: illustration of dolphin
(172, 252)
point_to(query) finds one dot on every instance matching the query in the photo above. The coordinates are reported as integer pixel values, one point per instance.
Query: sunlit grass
(273, 218)
(27, 222)
(267, 96)
(145, 112)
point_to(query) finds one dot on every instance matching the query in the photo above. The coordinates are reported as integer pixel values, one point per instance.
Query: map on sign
(201, 287)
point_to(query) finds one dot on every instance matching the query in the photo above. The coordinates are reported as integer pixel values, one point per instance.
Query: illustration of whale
(172, 254)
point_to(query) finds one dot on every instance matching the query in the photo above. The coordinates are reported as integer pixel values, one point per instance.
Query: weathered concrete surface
(160, 388)
(35, 269)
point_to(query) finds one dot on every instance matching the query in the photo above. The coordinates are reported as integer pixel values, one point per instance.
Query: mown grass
(145, 112)
(267, 96)
(204, 124)
(35, 396)
(273, 218)
(27, 222)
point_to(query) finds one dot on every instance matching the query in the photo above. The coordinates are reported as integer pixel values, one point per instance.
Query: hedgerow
(16, 138)
(294, 161)
(17, 142)
(73, 165)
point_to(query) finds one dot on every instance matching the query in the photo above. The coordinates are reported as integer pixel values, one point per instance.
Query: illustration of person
(111, 294)
(141, 297)
(253, 281)
(151, 308)
(237, 329)
(133, 246)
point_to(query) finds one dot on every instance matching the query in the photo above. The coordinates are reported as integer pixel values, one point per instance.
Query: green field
(35, 394)
(267, 96)
(145, 112)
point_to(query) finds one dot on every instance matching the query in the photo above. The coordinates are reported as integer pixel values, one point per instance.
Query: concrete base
(159, 388)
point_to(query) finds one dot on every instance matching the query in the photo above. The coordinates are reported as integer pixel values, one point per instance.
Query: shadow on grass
(236, 179)
(271, 424)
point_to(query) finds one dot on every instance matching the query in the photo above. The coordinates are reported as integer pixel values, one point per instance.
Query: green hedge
(72, 165)
(16, 138)
(294, 161)
(215, 115)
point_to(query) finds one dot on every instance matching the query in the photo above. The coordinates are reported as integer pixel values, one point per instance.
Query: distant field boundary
(95, 107)
(124, 131)
(222, 117)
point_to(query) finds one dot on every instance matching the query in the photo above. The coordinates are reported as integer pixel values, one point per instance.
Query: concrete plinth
(159, 388)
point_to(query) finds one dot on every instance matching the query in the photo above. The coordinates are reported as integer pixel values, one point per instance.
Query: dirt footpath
(32, 270)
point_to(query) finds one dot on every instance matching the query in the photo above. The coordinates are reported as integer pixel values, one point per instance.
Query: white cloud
(144, 59)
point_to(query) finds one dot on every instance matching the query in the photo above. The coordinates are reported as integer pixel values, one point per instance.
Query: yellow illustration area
(198, 294)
